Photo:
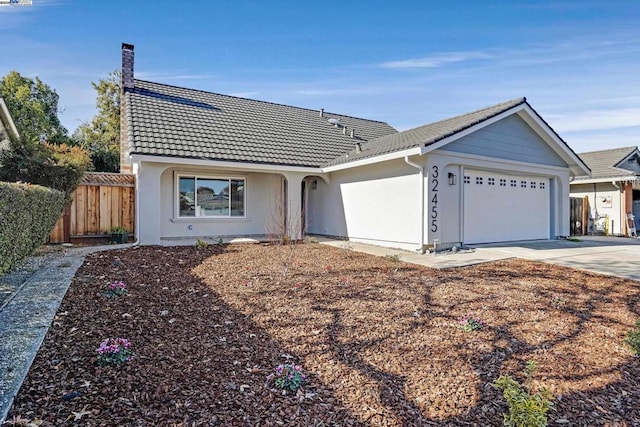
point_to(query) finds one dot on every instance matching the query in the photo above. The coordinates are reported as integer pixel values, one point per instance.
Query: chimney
(127, 67)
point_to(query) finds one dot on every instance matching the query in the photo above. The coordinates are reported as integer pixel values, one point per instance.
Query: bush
(527, 408)
(60, 167)
(27, 215)
(633, 338)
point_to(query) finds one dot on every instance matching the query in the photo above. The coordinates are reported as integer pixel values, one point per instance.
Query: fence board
(101, 201)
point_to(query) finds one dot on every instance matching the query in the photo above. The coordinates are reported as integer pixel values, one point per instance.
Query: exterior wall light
(452, 178)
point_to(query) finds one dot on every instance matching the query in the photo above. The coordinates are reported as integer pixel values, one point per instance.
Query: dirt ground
(378, 340)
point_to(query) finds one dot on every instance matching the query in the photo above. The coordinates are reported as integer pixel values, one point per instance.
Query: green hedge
(27, 215)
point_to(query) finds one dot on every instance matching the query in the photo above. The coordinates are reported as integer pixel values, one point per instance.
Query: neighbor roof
(602, 164)
(426, 135)
(166, 120)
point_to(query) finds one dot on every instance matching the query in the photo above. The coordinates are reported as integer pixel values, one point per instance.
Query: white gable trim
(625, 158)
(576, 165)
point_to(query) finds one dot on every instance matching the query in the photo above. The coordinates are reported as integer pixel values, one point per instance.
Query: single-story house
(7, 126)
(212, 165)
(612, 189)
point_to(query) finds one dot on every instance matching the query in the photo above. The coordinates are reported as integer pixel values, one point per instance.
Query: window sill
(209, 219)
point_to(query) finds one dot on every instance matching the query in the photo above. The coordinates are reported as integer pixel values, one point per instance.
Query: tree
(34, 108)
(101, 136)
(60, 167)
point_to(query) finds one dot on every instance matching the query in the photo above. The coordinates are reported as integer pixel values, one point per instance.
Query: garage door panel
(500, 207)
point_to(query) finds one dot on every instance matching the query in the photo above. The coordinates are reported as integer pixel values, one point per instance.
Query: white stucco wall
(449, 226)
(157, 204)
(597, 194)
(376, 204)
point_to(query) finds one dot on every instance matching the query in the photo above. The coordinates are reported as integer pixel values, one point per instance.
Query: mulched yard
(378, 340)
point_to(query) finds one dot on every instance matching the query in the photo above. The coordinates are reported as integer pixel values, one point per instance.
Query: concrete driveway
(617, 256)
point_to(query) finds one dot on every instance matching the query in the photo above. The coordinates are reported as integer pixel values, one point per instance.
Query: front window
(211, 197)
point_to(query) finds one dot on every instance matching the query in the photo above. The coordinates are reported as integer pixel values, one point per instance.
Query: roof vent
(358, 147)
(352, 134)
(334, 122)
(344, 130)
(322, 112)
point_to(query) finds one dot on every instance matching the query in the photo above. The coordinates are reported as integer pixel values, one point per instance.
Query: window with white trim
(542, 185)
(491, 181)
(204, 196)
(503, 182)
(467, 179)
(479, 180)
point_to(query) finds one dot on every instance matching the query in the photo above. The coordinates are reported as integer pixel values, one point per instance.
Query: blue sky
(404, 62)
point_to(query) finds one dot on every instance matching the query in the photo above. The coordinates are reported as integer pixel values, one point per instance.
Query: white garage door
(501, 208)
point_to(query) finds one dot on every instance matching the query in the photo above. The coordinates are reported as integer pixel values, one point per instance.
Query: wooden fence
(101, 201)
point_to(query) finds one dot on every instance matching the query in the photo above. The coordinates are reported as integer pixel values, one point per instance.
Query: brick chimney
(126, 85)
(127, 66)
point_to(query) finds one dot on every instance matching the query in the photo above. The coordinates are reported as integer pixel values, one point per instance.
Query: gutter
(421, 169)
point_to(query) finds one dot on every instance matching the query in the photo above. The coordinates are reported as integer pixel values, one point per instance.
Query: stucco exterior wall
(599, 195)
(377, 204)
(448, 206)
(157, 204)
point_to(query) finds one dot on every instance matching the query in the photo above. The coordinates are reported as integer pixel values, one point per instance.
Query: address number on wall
(434, 198)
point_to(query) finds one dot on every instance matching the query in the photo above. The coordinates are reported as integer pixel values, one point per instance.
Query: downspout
(622, 203)
(421, 169)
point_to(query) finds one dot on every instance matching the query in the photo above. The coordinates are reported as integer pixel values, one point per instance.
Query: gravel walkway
(29, 298)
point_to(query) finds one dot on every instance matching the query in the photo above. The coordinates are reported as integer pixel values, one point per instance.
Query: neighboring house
(7, 127)
(613, 189)
(212, 165)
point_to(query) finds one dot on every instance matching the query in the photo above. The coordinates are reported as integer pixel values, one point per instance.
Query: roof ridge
(261, 101)
(631, 147)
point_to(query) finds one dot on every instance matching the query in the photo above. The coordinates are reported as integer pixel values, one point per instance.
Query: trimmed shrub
(27, 215)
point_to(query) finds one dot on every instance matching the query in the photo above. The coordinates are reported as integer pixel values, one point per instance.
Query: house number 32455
(434, 198)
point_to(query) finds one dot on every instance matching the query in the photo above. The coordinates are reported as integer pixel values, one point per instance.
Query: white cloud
(595, 119)
(438, 59)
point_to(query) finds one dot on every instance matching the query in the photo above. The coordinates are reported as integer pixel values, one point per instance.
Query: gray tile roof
(427, 134)
(602, 163)
(166, 120)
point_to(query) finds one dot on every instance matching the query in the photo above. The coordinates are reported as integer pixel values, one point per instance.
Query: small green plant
(287, 377)
(201, 244)
(114, 352)
(118, 230)
(116, 289)
(633, 338)
(220, 241)
(527, 407)
(558, 302)
(470, 323)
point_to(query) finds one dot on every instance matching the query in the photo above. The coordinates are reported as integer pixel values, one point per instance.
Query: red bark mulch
(377, 338)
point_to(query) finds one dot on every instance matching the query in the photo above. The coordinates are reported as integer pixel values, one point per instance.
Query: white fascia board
(632, 153)
(631, 178)
(470, 130)
(530, 116)
(4, 112)
(257, 167)
(372, 160)
(576, 165)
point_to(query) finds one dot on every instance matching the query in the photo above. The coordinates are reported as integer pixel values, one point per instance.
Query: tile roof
(602, 163)
(427, 134)
(166, 120)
